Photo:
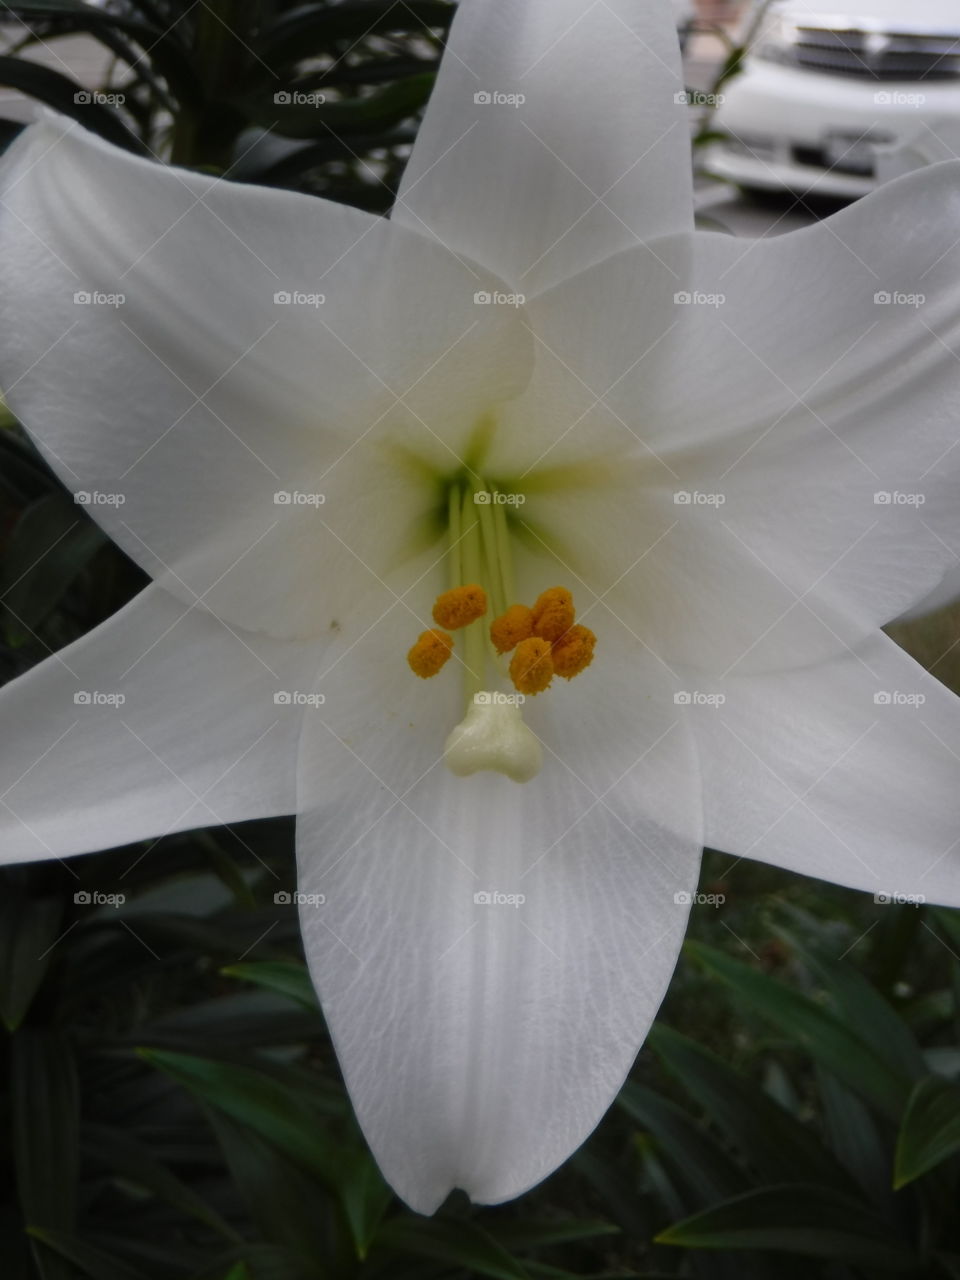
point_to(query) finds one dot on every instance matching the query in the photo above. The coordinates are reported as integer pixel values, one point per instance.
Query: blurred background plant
(317, 97)
(169, 1099)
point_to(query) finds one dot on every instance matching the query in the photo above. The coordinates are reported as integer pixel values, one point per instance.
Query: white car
(832, 86)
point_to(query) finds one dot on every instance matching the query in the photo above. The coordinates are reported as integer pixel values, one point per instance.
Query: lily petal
(792, 455)
(159, 720)
(193, 398)
(846, 771)
(482, 1040)
(594, 158)
(809, 381)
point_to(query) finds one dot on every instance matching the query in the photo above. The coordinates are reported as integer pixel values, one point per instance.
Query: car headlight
(776, 40)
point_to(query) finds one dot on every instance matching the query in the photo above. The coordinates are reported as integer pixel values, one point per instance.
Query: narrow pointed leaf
(822, 1034)
(45, 1107)
(61, 93)
(767, 1137)
(29, 927)
(456, 1243)
(262, 1104)
(52, 542)
(711, 1173)
(800, 1219)
(129, 1159)
(930, 1130)
(89, 1261)
(286, 978)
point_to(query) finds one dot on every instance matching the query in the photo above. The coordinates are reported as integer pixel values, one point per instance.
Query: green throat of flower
(525, 646)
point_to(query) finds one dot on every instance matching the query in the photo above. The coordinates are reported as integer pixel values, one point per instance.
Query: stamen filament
(504, 555)
(453, 529)
(471, 556)
(488, 530)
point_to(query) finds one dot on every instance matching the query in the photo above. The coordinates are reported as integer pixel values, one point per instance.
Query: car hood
(940, 16)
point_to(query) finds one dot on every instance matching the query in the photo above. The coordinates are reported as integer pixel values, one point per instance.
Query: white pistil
(493, 736)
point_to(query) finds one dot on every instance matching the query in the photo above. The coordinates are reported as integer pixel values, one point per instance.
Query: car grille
(878, 57)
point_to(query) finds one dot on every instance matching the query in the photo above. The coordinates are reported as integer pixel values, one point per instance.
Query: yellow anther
(573, 652)
(430, 653)
(553, 613)
(460, 606)
(511, 627)
(531, 667)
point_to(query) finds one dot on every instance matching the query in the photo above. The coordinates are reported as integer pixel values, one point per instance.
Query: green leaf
(258, 1101)
(284, 977)
(129, 1159)
(929, 1131)
(60, 92)
(45, 1110)
(864, 1010)
(29, 927)
(162, 42)
(767, 1136)
(285, 1204)
(90, 1261)
(51, 543)
(853, 1135)
(796, 1218)
(22, 473)
(822, 1034)
(301, 33)
(543, 1235)
(702, 1163)
(45, 1107)
(379, 110)
(454, 1242)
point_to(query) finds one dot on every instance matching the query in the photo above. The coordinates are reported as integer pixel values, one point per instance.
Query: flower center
(543, 640)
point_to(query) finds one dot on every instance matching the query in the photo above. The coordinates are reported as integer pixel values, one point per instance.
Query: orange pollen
(553, 613)
(431, 652)
(511, 627)
(531, 667)
(460, 606)
(573, 652)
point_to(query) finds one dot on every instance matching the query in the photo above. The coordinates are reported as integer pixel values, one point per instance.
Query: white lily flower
(736, 455)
